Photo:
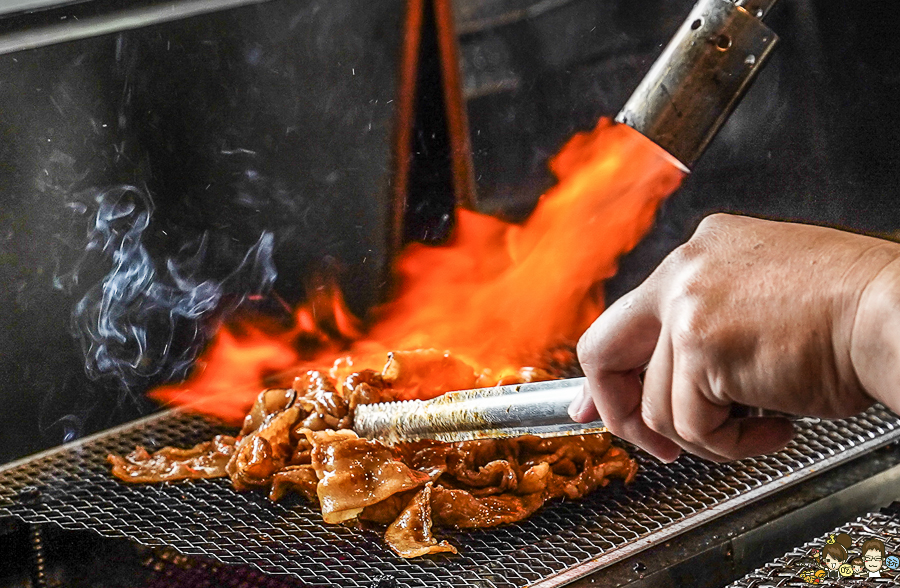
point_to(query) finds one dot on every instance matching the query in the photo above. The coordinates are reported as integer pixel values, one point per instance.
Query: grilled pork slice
(204, 460)
(296, 440)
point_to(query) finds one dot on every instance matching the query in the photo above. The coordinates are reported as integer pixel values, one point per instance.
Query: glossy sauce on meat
(297, 440)
(410, 535)
(204, 460)
(355, 473)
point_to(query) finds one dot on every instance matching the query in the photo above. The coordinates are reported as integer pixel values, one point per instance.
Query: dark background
(264, 130)
(814, 140)
(276, 120)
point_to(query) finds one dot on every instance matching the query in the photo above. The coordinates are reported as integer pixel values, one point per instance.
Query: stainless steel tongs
(539, 408)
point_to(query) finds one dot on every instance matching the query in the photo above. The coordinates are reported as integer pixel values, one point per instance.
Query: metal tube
(700, 76)
(486, 409)
(105, 24)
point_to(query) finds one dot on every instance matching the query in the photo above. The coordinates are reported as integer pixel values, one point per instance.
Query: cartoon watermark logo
(842, 559)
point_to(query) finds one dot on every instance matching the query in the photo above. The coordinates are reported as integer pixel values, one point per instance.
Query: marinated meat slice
(494, 478)
(426, 373)
(263, 452)
(355, 473)
(410, 535)
(204, 460)
(467, 456)
(296, 440)
(302, 448)
(302, 479)
(268, 402)
(615, 463)
(458, 508)
(324, 408)
(253, 464)
(485, 467)
(369, 378)
(559, 449)
(367, 387)
(426, 456)
(534, 480)
(387, 511)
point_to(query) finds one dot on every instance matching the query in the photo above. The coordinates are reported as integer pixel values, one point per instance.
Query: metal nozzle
(701, 75)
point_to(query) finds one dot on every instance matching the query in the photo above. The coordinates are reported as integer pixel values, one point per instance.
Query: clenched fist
(788, 317)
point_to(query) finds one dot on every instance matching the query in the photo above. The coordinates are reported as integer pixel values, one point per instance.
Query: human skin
(787, 317)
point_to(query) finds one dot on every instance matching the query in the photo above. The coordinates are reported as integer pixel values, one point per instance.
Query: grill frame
(71, 487)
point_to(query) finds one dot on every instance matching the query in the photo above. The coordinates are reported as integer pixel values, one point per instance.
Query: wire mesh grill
(71, 487)
(785, 570)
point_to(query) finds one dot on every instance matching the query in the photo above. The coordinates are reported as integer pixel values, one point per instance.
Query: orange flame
(497, 295)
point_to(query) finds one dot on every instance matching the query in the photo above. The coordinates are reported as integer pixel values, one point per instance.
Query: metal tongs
(539, 408)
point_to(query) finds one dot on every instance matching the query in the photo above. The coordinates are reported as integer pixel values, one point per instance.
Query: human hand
(748, 311)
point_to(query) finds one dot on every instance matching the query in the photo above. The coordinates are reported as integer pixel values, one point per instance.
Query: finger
(687, 415)
(708, 431)
(707, 426)
(623, 337)
(656, 403)
(666, 385)
(613, 347)
(612, 353)
(621, 394)
(582, 409)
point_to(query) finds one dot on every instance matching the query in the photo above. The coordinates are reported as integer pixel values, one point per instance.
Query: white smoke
(146, 320)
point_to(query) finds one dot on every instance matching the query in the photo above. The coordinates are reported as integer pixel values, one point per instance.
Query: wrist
(875, 338)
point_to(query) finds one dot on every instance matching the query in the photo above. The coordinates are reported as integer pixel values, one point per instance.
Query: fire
(497, 296)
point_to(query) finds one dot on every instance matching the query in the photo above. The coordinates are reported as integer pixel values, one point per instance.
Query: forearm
(875, 342)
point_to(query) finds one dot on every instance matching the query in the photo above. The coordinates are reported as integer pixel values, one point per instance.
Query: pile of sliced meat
(298, 440)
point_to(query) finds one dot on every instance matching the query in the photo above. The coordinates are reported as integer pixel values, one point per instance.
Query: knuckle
(688, 287)
(682, 256)
(593, 345)
(689, 433)
(687, 338)
(583, 349)
(587, 353)
(687, 325)
(715, 221)
(654, 421)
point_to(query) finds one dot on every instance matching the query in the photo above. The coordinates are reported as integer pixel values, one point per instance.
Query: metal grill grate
(884, 525)
(72, 487)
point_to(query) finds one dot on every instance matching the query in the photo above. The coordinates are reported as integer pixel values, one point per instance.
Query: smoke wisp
(147, 319)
